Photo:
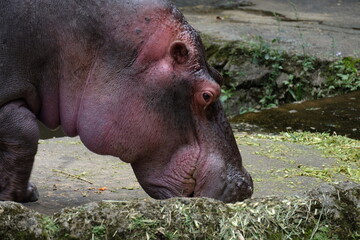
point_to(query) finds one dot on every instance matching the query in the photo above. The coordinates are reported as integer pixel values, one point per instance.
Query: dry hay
(331, 212)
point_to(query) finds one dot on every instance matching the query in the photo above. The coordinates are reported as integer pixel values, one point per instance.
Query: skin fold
(130, 78)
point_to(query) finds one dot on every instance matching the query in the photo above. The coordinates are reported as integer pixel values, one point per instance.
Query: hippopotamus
(130, 79)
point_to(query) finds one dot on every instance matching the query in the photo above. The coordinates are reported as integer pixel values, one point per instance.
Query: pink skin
(167, 161)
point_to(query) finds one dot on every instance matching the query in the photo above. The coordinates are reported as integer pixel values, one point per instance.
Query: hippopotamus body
(130, 78)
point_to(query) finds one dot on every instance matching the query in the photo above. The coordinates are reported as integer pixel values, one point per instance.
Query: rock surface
(320, 28)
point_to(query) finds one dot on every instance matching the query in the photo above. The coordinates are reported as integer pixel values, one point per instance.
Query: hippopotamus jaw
(193, 172)
(173, 178)
(229, 186)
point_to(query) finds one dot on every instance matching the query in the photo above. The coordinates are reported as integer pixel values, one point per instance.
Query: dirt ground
(67, 174)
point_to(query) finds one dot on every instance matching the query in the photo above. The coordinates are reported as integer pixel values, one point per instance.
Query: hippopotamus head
(152, 100)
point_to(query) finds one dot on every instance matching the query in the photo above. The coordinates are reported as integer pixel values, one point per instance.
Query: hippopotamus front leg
(19, 135)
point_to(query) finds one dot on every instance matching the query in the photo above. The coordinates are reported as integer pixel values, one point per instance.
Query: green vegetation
(308, 217)
(344, 75)
(49, 226)
(286, 78)
(340, 147)
(345, 150)
(98, 232)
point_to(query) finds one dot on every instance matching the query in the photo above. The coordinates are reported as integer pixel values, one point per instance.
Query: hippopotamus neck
(88, 39)
(68, 51)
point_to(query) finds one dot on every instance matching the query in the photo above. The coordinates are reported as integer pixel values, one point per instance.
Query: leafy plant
(99, 232)
(227, 93)
(344, 74)
(307, 77)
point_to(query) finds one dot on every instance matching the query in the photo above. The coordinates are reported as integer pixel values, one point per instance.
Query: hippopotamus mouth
(191, 174)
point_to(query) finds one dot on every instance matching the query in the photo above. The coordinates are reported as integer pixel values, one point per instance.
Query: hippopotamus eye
(206, 97)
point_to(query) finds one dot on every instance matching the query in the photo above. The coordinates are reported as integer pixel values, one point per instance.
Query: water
(340, 115)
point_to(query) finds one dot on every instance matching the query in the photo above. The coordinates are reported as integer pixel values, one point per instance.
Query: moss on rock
(18, 222)
(280, 77)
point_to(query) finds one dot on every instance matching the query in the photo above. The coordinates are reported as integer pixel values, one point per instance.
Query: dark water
(340, 115)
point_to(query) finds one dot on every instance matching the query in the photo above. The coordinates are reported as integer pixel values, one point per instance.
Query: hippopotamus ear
(179, 52)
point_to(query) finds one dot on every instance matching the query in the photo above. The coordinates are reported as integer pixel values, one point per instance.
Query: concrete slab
(68, 175)
(326, 29)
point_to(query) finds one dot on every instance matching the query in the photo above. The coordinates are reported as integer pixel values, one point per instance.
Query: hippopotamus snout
(225, 184)
(212, 177)
(220, 174)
